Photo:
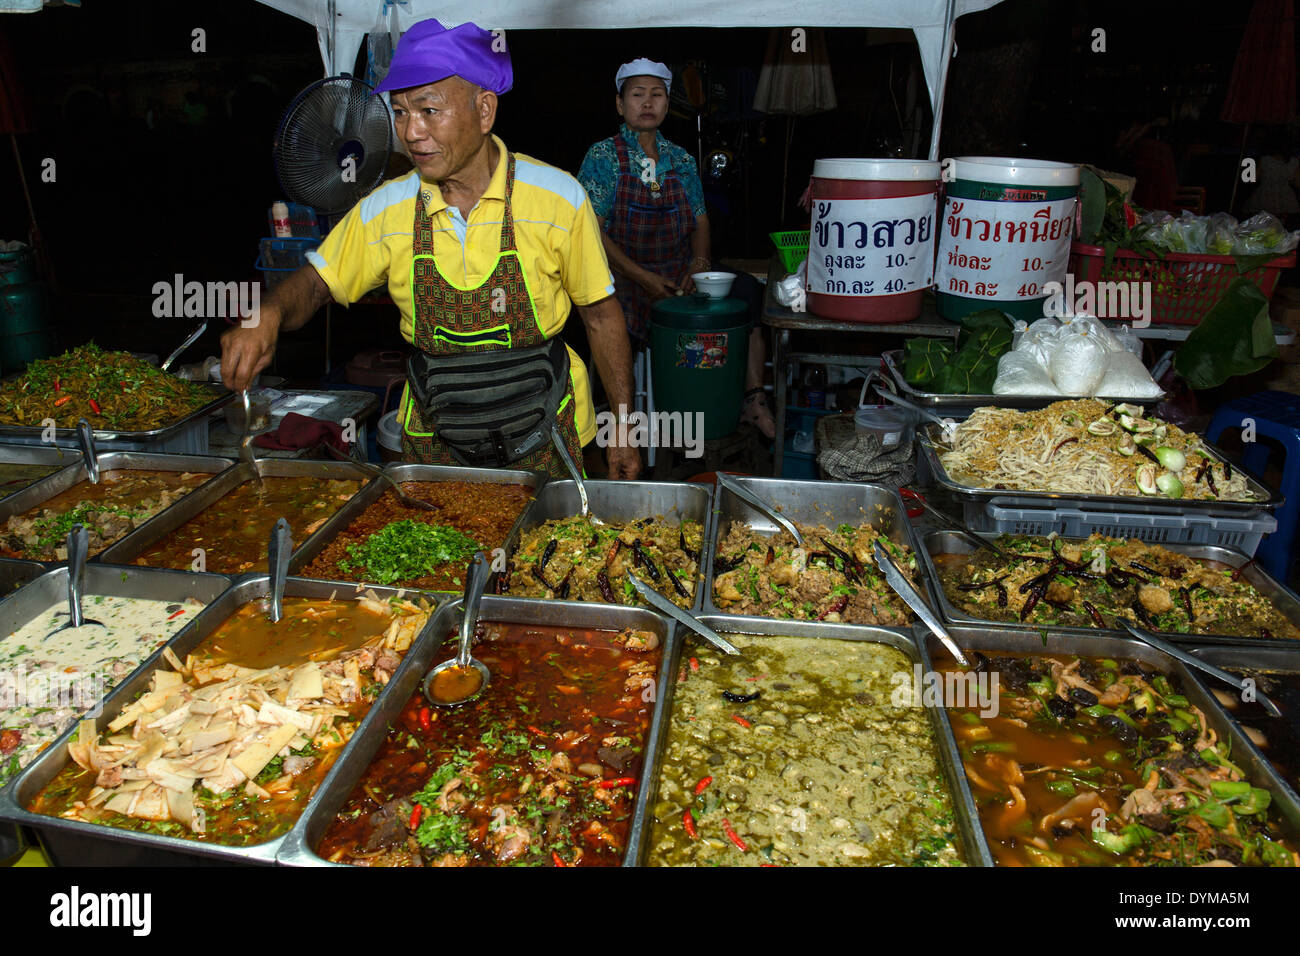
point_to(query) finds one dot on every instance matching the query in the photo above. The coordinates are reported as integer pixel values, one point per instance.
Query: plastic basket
(1184, 286)
(1243, 534)
(792, 247)
(278, 258)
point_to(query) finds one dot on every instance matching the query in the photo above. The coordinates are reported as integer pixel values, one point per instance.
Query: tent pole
(949, 38)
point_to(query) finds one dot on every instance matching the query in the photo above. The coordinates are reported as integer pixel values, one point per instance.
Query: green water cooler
(699, 350)
(24, 318)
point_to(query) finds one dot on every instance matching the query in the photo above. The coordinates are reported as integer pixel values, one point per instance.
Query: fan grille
(333, 143)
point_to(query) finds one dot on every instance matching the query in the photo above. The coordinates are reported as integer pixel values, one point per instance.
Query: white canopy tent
(341, 25)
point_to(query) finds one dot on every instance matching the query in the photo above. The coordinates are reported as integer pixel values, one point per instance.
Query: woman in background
(646, 192)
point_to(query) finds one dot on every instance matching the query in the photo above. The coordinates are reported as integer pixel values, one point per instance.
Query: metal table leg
(780, 345)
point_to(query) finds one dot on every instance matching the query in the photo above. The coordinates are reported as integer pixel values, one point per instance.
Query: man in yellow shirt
(482, 251)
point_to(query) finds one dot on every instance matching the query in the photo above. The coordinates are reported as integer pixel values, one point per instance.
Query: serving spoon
(278, 550)
(86, 439)
(665, 606)
(78, 546)
(1191, 660)
(404, 499)
(904, 589)
(189, 340)
(558, 441)
(463, 678)
(754, 501)
(246, 446)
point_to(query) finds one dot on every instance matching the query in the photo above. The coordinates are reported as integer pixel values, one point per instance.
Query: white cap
(643, 67)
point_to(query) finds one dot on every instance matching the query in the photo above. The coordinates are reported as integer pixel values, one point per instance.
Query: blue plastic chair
(1275, 415)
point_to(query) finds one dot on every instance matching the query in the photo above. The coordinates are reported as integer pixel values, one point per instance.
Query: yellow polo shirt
(556, 234)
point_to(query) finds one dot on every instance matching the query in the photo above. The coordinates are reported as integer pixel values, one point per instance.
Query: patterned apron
(491, 317)
(655, 232)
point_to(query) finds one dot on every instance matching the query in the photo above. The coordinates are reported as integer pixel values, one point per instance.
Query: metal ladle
(903, 588)
(1191, 660)
(404, 499)
(558, 440)
(78, 546)
(86, 439)
(665, 606)
(463, 667)
(278, 550)
(246, 446)
(754, 501)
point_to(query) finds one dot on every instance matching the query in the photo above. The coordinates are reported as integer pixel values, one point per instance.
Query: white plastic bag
(1077, 363)
(1019, 373)
(1127, 377)
(790, 291)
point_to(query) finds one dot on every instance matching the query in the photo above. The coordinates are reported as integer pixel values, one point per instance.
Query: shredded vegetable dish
(834, 579)
(111, 390)
(1087, 447)
(1098, 582)
(1097, 762)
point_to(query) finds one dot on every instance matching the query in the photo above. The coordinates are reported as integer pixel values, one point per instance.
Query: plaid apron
(654, 232)
(496, 315)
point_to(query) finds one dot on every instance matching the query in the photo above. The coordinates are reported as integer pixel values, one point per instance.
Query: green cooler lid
(699, 311)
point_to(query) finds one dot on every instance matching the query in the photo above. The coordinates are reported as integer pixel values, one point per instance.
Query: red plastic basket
(1184, 286)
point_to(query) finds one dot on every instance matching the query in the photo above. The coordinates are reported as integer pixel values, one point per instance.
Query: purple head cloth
(429, 52)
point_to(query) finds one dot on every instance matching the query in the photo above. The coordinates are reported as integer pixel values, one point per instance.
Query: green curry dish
(406, 549)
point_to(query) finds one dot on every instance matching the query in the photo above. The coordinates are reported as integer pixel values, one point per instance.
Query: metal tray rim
(220, 396)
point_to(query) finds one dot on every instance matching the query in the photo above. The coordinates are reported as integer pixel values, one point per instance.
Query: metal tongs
(189, 340)
(757, 503)
(78, 546)
(86, 439)
(903, 588)
(558, 441)
(278, 550)
(665, 606)
(1191, 660)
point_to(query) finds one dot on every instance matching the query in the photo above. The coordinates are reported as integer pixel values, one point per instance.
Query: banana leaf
(974, 368)
(923, 359)
(1234, 338)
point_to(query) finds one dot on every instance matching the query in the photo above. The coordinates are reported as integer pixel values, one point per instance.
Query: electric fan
(333, 143)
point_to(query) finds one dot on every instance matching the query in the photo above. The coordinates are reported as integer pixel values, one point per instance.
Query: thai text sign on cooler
(871, 247)
(1005, 234)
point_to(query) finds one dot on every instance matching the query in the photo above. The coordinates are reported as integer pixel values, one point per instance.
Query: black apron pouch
(491, 409)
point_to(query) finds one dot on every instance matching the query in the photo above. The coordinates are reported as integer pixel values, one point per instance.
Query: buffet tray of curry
(1082, 586)
(808, 749)
(756, 569)
(378, 539)
(210, 751)
(133, 488)
(228, 522)
(24, 465)
(547, 768)
(659, 530)
(1099, 456)
(1103, 751)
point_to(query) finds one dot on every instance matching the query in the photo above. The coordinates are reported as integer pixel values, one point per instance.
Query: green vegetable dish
(794, 754)
(406, 549)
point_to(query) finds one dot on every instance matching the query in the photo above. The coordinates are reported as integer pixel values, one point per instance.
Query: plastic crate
(792, 247)
(278, 258)
(1243, 534)
(1184, 286)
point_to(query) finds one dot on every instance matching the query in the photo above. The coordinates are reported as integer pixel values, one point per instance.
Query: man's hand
(655, 285)
(249, 347)
(624, 462)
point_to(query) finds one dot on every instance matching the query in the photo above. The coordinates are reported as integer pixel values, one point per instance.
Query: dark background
(163, 155)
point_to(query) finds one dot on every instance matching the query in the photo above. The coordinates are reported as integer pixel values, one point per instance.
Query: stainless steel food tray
(35, 455)
(813, 502)
(623, 501)
(298, 848)
(14, 574)
(87, 844)
(1281, 597)
(42, 491)
(52, 589)
(966, 817)
(158, 527)
(151, 440)
(1267, 501)
(1273, 659)
(963, 405)
(400, 472)
(1027, 643)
